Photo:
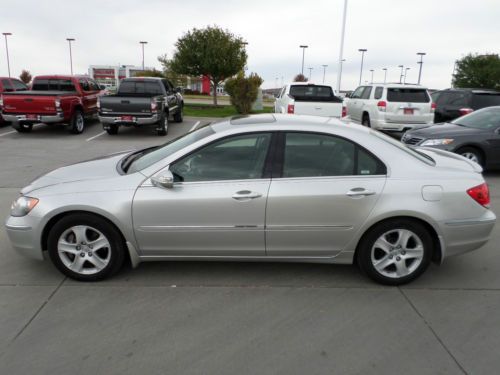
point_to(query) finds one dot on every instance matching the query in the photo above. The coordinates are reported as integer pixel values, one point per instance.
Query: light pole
(362, 50)
(142, 42)
(421, 62)
(70, 54)
(324, 72)
(341, 53)
(244, 44)
(406, 73)
(7, 50)
(401, 75)
(276, 82)
(303, 54)
(310, 73)
(453, 74)
(385, 74)
(371, 70)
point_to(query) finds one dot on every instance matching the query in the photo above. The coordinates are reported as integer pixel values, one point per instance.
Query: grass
(207, 110)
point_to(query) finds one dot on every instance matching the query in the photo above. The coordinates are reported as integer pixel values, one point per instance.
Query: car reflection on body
(266, 188)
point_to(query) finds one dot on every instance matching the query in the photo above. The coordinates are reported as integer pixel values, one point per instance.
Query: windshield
(486, 118)
(151, 156)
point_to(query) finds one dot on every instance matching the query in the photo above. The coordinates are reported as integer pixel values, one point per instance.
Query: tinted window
(366, 92)
(53, 85)
(312, 93)
(18, 85)
(316, 155)
(41, 85)
(140, 88)
(235, 158)
(378, 92)
(93, 85)
(84, 84)
(457, 99)
(487, 118)
(485, 100)
(407, 95)
(436, 96)
(7, 86)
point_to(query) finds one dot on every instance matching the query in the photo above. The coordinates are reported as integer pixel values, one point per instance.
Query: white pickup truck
(304, 98)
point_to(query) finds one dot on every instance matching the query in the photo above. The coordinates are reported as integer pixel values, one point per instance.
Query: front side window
(318, 155)
(235, 158)
(84, 85)
(366, 93)
(357, 93)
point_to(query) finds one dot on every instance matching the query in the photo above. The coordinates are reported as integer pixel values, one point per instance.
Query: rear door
(408, 105)
(322, 195)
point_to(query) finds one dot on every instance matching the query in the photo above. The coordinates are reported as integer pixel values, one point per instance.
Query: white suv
(391, 107)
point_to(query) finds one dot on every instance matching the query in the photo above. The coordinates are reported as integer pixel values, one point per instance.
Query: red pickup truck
(54, 99)
(10, 85)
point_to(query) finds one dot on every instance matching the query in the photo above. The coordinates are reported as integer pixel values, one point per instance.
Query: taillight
(1, 101)
(433, 107)
(382, 106)
(154, 106)
(98, 104)
(481, 194)
(57, 103)
(465, 111)
(344, 111)
(291, 108)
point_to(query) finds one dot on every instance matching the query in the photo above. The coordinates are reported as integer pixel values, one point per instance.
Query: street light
(70, 54)
(362, 50)
(245, 44)
(310, 73)
(421, 62)
(324, 72)
(406, 73)
(401, 75)
(7, 50)
(341, 52)
(142, 42)
(371, 70)
(385, 74)
(340, 74)
(303, 53)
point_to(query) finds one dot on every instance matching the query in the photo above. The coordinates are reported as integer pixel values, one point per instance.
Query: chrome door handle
(245, 195)
(359, 192)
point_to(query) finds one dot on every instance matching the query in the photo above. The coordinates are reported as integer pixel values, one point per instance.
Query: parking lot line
(95, 136)
(15, 131)
(194, 126)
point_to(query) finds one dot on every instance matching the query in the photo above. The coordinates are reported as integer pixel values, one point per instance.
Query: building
(111, 75)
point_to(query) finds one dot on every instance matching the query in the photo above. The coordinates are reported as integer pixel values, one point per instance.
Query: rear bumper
(108, 120)
(47, 119)
(393, 126)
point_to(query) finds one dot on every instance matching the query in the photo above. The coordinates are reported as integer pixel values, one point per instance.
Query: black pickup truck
(141, 101)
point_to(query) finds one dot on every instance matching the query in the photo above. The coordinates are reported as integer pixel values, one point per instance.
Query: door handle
(246, 195)
(359, 192)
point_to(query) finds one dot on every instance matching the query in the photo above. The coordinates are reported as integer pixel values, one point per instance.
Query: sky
(108, 32)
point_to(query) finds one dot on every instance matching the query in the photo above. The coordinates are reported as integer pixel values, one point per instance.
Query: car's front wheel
(472, 154)
(86, 247)
(395, 252)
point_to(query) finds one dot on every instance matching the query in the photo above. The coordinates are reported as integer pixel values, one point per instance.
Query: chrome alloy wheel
(397, 253)
(471, 156)
(80, 123)
(84, 250)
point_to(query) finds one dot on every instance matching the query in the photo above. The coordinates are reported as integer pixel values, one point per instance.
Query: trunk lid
(125, 105)
(450, 160)
(35, 102)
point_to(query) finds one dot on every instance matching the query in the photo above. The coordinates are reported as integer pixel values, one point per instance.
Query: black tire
(366, 121)
(77, 122)
(114, 253)
(395, 260)
(472, 153)
(112, 129)
(23, 128)
(179, 115)
(162, 125)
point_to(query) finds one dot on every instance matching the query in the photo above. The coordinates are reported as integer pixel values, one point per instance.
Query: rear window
(407, 95)
(53, 85)
(485, 100)
(313, 93)
(140, 88)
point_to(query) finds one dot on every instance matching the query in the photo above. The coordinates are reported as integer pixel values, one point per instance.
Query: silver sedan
(266, 188)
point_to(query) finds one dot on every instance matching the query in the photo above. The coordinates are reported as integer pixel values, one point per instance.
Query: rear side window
(407, 95)
(18, 85)
(457, 99)
(378, 92)
(313, 93)
(7, 86)
(366, 93)
(485, 100)
(140, 88)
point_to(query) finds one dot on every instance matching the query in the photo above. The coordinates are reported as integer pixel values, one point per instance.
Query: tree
(25, 76)
(177, 79)
(478, 71)
(243, 91)
(212, 52)
(300, 78)
(150, 73)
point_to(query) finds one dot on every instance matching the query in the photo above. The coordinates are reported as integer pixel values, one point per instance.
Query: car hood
(99, 168)
(443, 130)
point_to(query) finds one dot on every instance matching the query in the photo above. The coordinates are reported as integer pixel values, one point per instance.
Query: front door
(216, 207)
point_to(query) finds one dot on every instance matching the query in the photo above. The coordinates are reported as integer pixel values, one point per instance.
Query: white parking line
(95, 136)
(194, 126)
(15, 131)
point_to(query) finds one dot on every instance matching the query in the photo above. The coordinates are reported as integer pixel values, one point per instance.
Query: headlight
(437, 142)
(22, 206)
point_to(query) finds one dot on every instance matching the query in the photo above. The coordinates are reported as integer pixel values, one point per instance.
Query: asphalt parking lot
(233, 318)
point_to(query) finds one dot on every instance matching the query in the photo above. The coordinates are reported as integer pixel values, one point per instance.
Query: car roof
(397, 85)
(473, 90)
(60, 76)
(307, 84)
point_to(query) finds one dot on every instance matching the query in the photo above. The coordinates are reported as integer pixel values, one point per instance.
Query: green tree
(243, 91)
(25, 76)
(300, 78)
(175, 78)
(478, 71)
(212, 52)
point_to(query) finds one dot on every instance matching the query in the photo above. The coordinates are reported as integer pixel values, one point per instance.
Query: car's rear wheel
(112, 129)
(77, 123)
(472, 154)
(395, 252)
(179, 116)
(162, 128)
(366, 120)
(86, 247)
(23, 128)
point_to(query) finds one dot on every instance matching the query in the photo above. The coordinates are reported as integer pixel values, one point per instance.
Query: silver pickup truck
(141, 101)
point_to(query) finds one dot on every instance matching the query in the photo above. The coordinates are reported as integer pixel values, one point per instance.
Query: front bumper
(59, 117)
(117, 120)
(23, 236)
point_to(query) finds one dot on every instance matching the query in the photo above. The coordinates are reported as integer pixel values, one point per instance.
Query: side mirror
(164, 180)
(178, 90)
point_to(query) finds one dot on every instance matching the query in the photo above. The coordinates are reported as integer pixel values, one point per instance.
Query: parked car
(139, 102)
(53, 99)
(391, 107)
(304, 98)
(475, 136)
(8, 84)
(264, 187)
(453, 103)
